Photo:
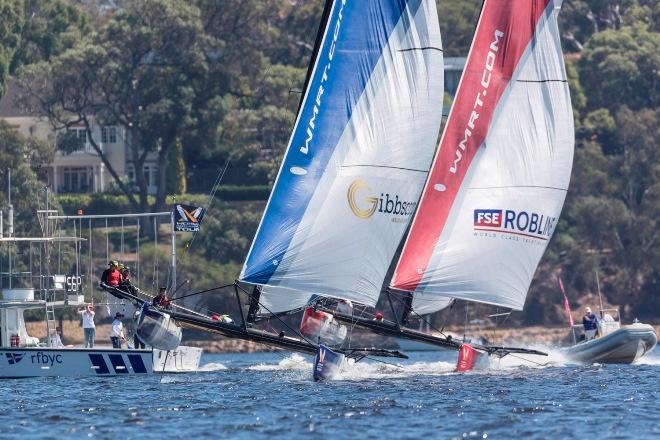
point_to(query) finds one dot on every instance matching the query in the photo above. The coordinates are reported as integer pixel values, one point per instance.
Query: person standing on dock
(117, 332)
(89, 328)
(590, 323)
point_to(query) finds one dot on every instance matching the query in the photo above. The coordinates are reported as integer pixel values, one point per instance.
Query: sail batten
(498, 183)
(358, 155)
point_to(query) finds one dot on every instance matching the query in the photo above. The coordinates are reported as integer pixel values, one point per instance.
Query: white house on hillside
(80, 171)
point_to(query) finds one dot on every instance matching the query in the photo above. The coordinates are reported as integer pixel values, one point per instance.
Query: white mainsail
(358, 156)
(498, 183)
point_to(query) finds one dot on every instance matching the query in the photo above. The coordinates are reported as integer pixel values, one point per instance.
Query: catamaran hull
(623, 346)
(327, 363)
(157, 329)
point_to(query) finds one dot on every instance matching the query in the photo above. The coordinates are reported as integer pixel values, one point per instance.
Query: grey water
(272, 395)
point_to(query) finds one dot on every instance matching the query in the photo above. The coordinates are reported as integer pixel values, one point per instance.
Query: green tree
(458, 21)
(51, 27)
(27, 158)
(11, 23)
(621, 68)
(145, 71)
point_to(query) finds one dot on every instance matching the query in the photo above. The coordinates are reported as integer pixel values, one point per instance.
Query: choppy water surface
(273, 396)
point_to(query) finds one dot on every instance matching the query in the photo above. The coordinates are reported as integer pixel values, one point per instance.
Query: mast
(327, 7)
(172, 224)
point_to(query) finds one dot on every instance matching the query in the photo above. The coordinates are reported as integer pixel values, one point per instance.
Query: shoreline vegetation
(533, 336)
(222, 100)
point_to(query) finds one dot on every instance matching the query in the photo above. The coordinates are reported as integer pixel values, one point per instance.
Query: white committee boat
(22, 355)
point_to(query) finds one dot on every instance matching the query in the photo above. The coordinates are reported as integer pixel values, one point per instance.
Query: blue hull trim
(327, 363)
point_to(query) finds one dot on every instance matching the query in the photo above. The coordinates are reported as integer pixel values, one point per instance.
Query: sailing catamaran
(357, 160)
(498, 182)
(354, 167)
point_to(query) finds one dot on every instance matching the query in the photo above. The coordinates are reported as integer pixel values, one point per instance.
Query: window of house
(150, 174)
(130, 172)
(109, 135)
(82, 137)
(77, 179)
(147, 175)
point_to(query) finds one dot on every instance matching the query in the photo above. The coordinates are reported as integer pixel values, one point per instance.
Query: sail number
(73, 283)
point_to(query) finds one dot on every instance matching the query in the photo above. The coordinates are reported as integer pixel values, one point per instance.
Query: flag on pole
(566, 305)
(187, 218)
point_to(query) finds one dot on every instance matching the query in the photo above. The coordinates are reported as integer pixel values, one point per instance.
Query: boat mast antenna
(600, 297)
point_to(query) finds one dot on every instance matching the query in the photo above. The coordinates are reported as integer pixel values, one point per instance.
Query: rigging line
(209, 201)
(421, 48)
(528, 360)
(354, 323)
(278, 318)
(385, 166)
(201, 291)
(421, 317)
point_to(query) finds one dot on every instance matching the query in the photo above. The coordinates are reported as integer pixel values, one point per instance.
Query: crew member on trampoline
(125, 283)
(111, 276)
(161, 300)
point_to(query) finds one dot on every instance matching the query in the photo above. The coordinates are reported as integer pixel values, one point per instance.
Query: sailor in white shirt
(89, 328)
(117, 332)
(345, 307)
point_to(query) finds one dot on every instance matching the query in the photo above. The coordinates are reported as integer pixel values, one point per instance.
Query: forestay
(498, 183)
(359, 153)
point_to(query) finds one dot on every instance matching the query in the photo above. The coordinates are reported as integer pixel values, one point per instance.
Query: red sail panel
(504, 31)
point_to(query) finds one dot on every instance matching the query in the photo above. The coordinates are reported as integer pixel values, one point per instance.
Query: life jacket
(114, 278)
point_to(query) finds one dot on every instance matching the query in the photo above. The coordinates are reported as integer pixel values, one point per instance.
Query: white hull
(43, 361)
(48, 362)
(622, 346)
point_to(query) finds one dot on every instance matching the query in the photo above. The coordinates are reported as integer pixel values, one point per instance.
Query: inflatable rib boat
(623, 345)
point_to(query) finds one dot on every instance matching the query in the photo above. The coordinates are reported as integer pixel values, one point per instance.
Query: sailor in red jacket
(112, 276)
